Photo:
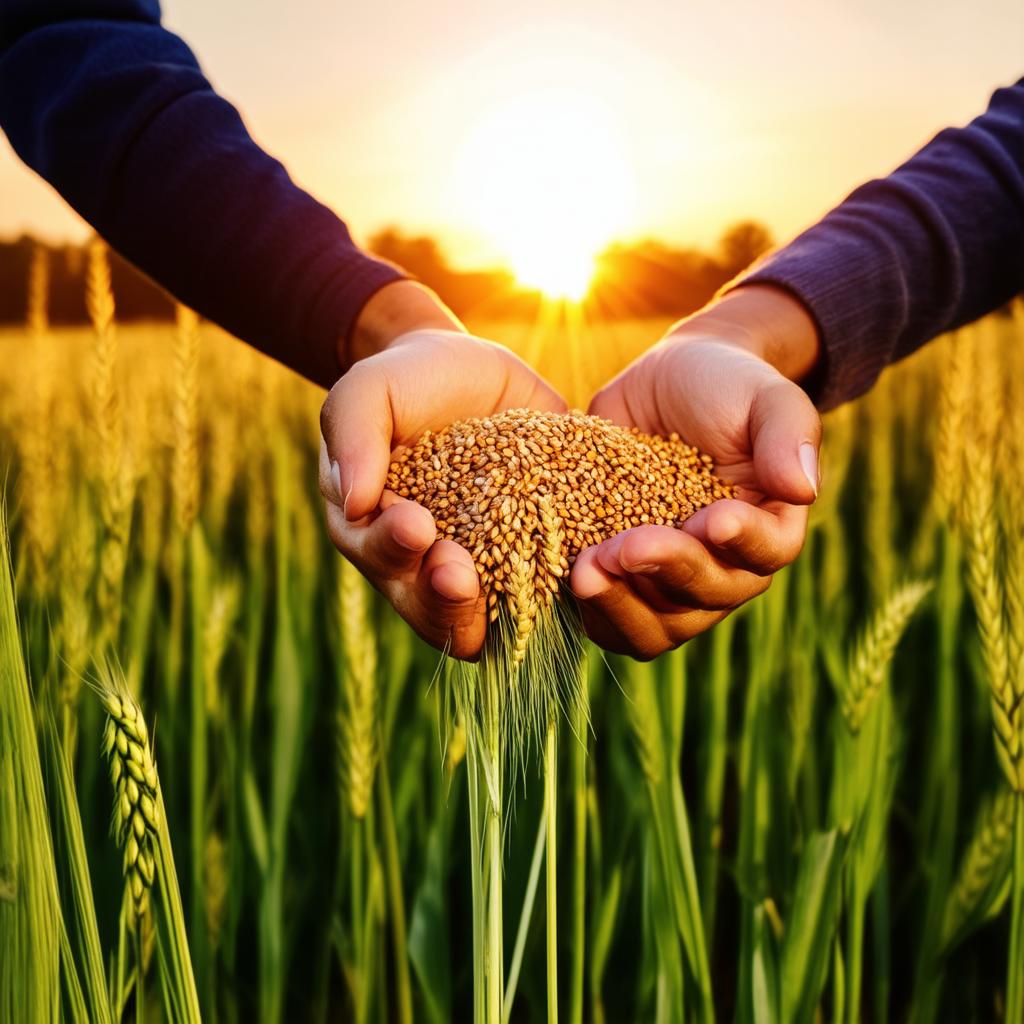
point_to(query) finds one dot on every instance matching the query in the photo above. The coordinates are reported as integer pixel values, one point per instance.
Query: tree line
(646, 278)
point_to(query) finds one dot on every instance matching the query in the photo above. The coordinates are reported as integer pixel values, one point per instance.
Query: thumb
(785, 435)
(357, 426)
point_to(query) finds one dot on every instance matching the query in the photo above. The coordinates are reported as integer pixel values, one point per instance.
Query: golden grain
(526, 487)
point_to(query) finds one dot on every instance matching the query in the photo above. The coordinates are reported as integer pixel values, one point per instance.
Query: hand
(423, 379)
(712, 380)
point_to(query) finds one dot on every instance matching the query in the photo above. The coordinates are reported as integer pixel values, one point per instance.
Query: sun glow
(546, 178)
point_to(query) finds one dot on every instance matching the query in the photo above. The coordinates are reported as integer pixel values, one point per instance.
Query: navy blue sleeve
(936, 244)
(114, 112)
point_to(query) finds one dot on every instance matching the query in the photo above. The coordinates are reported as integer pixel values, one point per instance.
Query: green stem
(854, 953)
(476, 877)
(140, 986)
(196, 573)
(492, 846)
(1015, 966)
(550, 810)
(358, 911)
(393, 870)
(532, 881)
(579, 903)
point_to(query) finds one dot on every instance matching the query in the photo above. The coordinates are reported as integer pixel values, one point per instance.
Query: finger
(356, 422)
(454, 608)
(390, 546)
(785, 435)
(758, 538)
(542, 396)
(680, 570)
(613, 616)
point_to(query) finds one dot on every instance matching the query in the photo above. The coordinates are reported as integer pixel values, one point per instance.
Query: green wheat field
(233, 784)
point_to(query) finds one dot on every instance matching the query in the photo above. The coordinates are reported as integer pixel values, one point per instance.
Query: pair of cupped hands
(724, 380)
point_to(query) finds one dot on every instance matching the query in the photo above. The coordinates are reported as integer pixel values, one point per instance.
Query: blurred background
(632, 157)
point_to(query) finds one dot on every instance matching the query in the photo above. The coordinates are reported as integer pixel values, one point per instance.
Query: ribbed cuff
(857, 301)
(335, 311)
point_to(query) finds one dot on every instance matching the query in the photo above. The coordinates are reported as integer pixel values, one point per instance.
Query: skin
(419, 370)
(723, 379)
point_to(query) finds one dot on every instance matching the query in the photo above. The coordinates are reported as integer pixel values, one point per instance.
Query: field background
(163, 510)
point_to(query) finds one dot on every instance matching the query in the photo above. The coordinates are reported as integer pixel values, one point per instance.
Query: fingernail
(809, 462)
(336, 482)
(642, 568)
(585, 593)
(345, 487)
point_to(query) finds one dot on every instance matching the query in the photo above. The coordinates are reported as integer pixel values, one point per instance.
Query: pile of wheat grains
(524, 492)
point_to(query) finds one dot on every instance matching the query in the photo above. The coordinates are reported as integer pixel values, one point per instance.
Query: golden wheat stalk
(874, 651)
(954, 407)
(185, 451)
(982, 540)
(38, 464)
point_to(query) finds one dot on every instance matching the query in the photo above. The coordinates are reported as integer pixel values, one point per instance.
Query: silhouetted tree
(741, 245)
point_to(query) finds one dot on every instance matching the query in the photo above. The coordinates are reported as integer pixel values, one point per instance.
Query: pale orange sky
(716, 111)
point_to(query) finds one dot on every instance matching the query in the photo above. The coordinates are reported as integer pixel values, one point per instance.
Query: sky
(495, 125)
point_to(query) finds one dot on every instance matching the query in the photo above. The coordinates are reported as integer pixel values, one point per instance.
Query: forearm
(937, 244)
(117, 115)
(393, 311)
(765, 320)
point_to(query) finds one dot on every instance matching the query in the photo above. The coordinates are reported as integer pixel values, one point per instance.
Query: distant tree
(650, 278)
(741, 245)
(483, 292)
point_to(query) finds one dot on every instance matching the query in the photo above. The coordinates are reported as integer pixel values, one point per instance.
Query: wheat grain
(548, 484)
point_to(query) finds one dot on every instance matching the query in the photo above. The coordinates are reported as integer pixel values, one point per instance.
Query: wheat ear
(988, 846)
(133, 773)
(874, 650)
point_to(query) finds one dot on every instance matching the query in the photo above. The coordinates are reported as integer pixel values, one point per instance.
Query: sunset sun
(545, 179)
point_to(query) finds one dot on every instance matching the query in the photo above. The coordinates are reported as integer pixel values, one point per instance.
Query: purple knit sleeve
(936, 244)
(115, 112)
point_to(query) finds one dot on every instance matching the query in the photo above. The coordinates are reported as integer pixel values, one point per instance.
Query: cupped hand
(423, 380)
(652, 588)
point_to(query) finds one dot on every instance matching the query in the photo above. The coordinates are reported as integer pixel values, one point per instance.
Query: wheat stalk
(519, 585)
(988, 846)
(38, 465)
(220, 618)
(358, 713)
(133, 773)
(980, 519)
(114, 466)
(874, 650)
(954, 405)
(185, 453)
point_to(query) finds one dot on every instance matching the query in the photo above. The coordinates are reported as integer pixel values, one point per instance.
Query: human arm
(114, 111)
(937, 243)
(725, 380)
(401, 386)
